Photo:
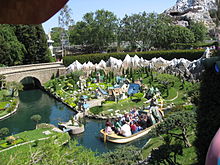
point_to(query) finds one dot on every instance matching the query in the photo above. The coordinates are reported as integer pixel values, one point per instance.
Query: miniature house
(100, 93)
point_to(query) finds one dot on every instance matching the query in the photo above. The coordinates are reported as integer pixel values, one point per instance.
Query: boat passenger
(156, 114)
(117, 126)
(134, 128)
(143, 121)
(108, 128)
(126, 129)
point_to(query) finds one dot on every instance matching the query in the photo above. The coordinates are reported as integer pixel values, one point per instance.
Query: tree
(166, 153)
(137, 30)
(64, 21)
(36, 118)
(123, 155)
(34, 39)
(96, 31)
(199, 30)
(55, 35)
(11, 50)
(4, 131)
(182, 121)
(14, 87)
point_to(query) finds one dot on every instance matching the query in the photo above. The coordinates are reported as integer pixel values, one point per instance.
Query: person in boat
(134, 127)
(117, 125)
(108, 127)
(134, 112)
(126, 129)
(156, 114)
(150, 120)
(143, 121)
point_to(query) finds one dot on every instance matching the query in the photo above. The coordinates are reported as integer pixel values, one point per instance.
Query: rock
(190, 70)
(197, 10)
(74, 66)
(114, 63)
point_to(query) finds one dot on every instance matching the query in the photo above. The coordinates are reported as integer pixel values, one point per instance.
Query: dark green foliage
(168, 55)
(4, 131)
(36, 118)
(192, 45)
(200, 31)
(97, 30)
(51, 152)
(182, 121)
(11, 50)
(208, 115)
(55, 35)
(123, 155)
(14, 87)
(166, 153)
(34, 39)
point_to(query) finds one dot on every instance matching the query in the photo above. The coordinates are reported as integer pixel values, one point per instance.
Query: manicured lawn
(3, 104)
(3, 113)
(34, 134)
(123, 107)
(6, 145)
(24, 151)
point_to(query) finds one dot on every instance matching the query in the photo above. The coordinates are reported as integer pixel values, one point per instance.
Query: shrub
(192, 45)
(4, 131)
(168, 55)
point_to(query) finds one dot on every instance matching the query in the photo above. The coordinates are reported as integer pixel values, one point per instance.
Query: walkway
(24, 144)
(94, 103)
(177, 95)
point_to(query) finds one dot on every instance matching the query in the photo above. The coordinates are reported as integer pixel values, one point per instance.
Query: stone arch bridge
(42, 72)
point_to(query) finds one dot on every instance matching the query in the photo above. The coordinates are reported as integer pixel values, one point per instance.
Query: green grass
(3, 113)
(189, 154)
(23, 151)
(124, 106)
(6, 145)
(34, 134)
(153, 143)
(3, 104)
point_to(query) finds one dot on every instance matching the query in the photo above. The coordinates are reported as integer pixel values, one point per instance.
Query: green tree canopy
(14, 87)
(55, 36)
(182, 121)
(4, 131)
(96, 30)
(199, 30)
(36, 118)
(11, 50)
(34, 39)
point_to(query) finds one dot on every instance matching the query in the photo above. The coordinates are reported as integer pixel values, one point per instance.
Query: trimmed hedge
(166, 54)
(193, 45)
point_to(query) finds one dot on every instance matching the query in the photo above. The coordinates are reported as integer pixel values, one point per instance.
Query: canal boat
(114, 138)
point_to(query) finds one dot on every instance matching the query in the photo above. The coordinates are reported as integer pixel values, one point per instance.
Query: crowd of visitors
(133, 122)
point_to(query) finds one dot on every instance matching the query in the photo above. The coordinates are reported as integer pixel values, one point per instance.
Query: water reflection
(36, 102)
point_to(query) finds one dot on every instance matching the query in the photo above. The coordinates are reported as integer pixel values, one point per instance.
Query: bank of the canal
(38, 102)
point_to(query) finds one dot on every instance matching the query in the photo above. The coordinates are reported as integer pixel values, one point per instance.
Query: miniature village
(105, 94)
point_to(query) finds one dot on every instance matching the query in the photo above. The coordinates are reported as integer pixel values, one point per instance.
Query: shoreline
(11, 113)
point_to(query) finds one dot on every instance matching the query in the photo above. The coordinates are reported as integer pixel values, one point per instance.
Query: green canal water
(37, 102)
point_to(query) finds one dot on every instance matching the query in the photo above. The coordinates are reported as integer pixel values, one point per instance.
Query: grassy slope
(24, 150)
(189, 154)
